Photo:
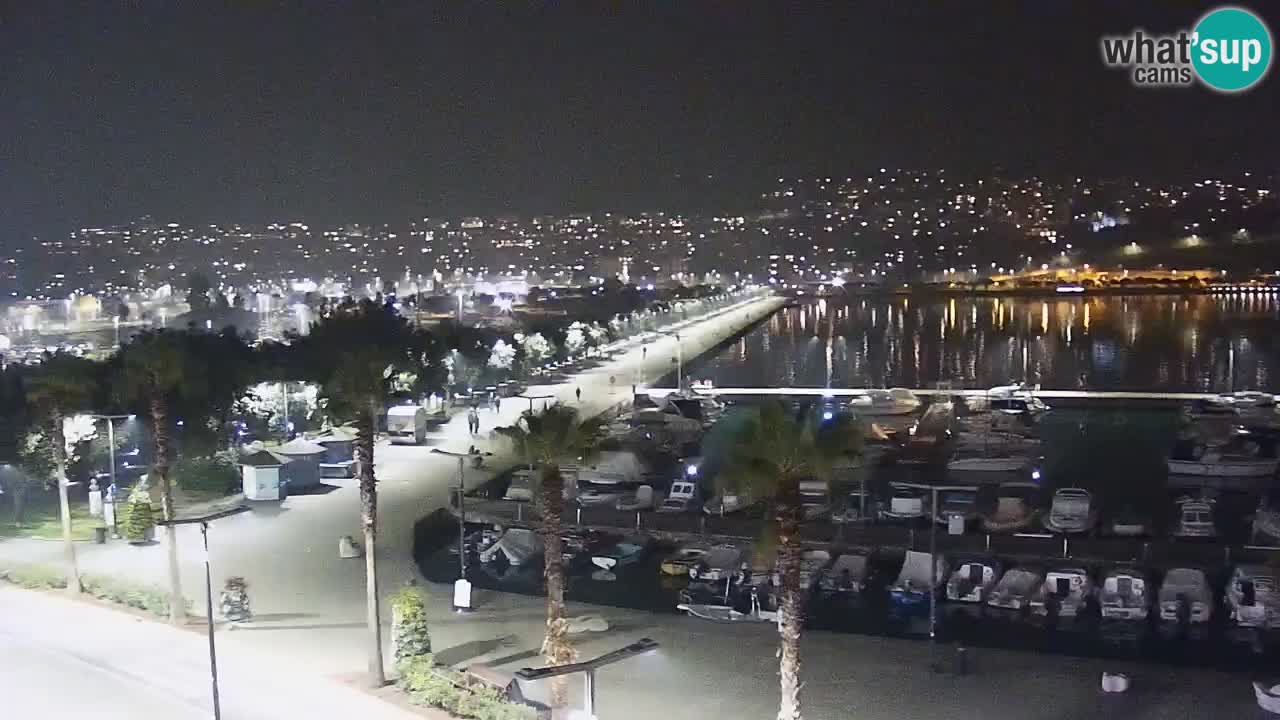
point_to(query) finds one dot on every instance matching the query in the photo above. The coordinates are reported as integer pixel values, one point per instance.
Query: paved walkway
(309, 606)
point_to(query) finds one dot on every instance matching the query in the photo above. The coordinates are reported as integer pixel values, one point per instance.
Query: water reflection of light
(1086, 316)
(1044, 317)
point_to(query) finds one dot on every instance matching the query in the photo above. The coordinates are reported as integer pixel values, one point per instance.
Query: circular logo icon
(1231, 49)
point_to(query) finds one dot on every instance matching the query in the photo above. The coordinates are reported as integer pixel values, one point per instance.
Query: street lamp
(111, 464)
(639, 647)
(204, 521)
(462, 588)
(679, 358)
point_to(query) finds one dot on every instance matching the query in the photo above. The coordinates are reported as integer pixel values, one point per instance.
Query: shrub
(35, 577)
(215, 474)
(138, 518)
(410, 635)
(435, 686)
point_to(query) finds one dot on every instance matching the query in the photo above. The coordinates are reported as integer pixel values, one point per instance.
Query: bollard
(1065, 553)
(519, 511)
(579, 516)
(988, 542)
(637, 520)
(1146, 551)
(960, 664)
(911, 538)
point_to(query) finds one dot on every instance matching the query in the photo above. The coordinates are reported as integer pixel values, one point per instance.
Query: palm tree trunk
(555, 647)
(369, 524)
(64, 502)
(160, 469)
(791, 607)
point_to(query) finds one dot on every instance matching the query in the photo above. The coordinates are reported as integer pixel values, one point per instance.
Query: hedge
(436, 686)
(35, 577)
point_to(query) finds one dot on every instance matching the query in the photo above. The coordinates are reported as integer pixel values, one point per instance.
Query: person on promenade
(578, 392)
(473, 420)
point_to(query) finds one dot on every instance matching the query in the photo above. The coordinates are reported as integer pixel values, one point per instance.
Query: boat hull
(1012, 464)
(1260, 468)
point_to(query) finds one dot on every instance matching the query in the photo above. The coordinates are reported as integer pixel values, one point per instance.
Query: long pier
(929, 392)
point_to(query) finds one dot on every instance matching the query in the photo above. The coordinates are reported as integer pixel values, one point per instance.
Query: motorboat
(1185, 596)
(1216, 463)
(1251, 596)
(973, 580)
(1125, 594)
(757, 611)
(592, 495)
(1015, 508)
(681, 497)
(1245, 400)
(1194, 518)
(721, 562)
(517, 546)
(623, 552)
(641, 499)
(895, 401)
(1015, 400)
(957, 503)
(1068, 589)
(905, 503)
(1266, 524)
(992, 460)
(995, 442)
(812, 563)
(685, 557)
(1129, 523)
(847, 574)
(577, 545)
(1015, 588)
(521, 487)
(1071, 511)
(726, 503)
(915, 582)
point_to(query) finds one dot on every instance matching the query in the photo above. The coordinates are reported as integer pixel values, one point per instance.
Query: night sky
(363, 111)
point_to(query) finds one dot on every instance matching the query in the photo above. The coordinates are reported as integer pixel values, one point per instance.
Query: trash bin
(100, 535)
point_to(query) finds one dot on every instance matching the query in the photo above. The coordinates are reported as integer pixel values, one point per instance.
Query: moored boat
(1125, 594)
(1251, 597)
(1015, 588)
(915, 581)
(1185, 596)
(973, 580)
(1065, 591)
(1071, 511)
(1015, 508)
(848, 574)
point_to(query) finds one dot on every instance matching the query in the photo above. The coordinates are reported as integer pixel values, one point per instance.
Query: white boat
(1221, 464)
(1251, 597)
(1015, 400)
(681, 497)
(726, 503)
(812, 563)
(1015, 509)
(1071, 511)
(641, 499)
(1125, 594)
(956, 503)
(895, 401)
(1194, 518)
(685, 557)
(1068, 588)
(989, 461)
(1185, 595)
(624, 552)
(517, 545)
(725, 613)
(905, 503)
(1247, 399)
(848, 574)
(720, 563)
(973, 580)
(915, 582)
(1015, 588)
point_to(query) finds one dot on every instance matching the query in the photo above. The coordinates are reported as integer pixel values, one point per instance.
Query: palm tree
(767, 459)
(156, 367)
(356, 352)
(63, 384)
(547, 438)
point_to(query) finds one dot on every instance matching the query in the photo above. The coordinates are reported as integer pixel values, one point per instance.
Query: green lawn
(40, 518)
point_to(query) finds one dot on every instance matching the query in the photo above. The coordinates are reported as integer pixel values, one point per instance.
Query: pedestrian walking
(473, 420)
(497, 403)
(578, 392)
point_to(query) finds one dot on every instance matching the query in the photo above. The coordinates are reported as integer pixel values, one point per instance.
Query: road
(69, 659)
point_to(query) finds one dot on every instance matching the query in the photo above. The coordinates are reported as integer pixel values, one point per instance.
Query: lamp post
(679, 358)
(588, 668)
(462, 588)
(204, 521)
(111, 464)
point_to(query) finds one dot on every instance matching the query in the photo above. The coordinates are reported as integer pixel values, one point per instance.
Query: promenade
(309, 604)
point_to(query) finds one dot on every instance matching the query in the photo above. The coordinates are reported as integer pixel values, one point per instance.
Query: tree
(355, 353)
(768, 458)
(502, 355)
(548, 438)
(198, 287)
(62, 386)
(157, 367)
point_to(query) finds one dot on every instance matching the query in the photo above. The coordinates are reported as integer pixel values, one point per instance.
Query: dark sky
(255, 111)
